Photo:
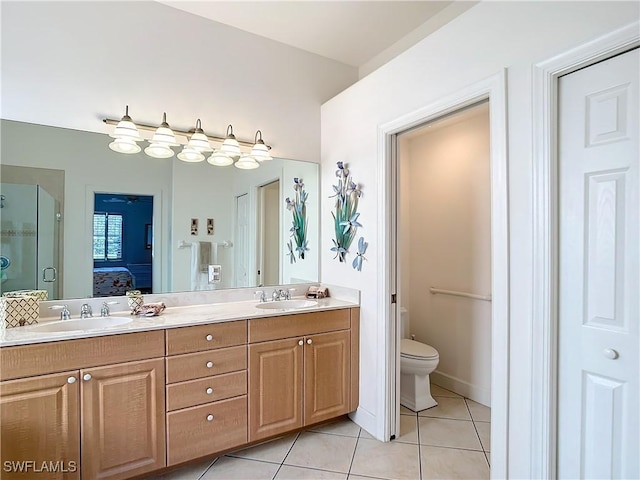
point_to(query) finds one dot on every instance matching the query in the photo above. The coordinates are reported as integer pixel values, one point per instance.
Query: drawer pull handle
(309, 341)
(209, 364)
(71, 380)
(300, 342)
(209, 418)
(209, 391)
(86, 377)
(209, 337)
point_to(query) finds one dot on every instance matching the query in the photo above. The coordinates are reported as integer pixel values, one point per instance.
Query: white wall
(70, 64)
(447, 189)
(480, 43)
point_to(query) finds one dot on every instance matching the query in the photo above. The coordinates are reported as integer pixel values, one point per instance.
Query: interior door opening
(442, 268)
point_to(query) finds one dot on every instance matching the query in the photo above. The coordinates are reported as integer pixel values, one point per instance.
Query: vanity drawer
(206, 337)
(198, 431)
(206, 390)
(287, 326)
(206, 364)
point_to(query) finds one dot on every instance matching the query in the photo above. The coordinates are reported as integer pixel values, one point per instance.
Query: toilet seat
(416, 350)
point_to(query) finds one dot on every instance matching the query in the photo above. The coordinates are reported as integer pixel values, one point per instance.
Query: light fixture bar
(153, 128)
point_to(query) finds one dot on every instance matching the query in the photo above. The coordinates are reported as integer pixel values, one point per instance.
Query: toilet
(417, 361)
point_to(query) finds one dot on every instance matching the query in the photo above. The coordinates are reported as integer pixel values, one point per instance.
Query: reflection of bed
(111, 281)
(141, 276)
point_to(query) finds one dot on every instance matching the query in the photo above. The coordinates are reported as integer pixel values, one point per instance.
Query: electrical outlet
(215, 273)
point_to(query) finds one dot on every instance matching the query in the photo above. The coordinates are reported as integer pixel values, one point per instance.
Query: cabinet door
(39, 427)
(123, 408)
(327, 362)
(275, 387)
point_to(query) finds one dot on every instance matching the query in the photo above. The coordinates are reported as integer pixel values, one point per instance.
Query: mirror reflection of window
(107, 236)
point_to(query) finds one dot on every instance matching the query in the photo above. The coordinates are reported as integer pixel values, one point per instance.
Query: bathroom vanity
(193, 382)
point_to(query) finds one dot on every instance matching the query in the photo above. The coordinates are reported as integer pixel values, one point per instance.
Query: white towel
(200, 258)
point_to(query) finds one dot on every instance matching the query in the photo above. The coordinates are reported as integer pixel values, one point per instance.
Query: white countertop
(172, 317)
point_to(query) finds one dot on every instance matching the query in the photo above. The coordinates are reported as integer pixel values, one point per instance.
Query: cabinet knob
(209, 391)
(209, 364)
(309, 341)
(86, 377)
(610, 353)
(209, 418)
(209, 337)
(71, 380)
(300, 342)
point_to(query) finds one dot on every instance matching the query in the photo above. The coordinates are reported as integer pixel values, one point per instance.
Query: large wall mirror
(65, 195)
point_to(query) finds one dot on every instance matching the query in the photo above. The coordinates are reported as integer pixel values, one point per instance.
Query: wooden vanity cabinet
(304, 379)
(108, 420)
(39, 422)
(206, 389)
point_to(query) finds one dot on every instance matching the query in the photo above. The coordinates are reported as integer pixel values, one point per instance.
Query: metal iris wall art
(298, 208)
(345, 216)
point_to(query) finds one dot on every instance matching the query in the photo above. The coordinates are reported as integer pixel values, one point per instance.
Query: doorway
(122, 244)
(492, 89)
(269, 234)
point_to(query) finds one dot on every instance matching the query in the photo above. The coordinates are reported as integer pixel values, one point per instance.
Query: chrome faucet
(64, 311)
(104, 311)
(86, 311)
(263, 296)
(280, 294)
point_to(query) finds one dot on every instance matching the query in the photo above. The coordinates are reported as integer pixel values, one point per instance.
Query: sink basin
(287, 304)
(94, 323)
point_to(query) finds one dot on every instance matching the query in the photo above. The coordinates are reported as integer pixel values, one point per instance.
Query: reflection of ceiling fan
(128, 199)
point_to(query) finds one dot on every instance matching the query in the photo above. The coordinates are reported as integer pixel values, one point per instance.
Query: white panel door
(599, 289)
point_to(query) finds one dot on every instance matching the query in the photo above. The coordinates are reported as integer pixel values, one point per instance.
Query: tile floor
(450, 441)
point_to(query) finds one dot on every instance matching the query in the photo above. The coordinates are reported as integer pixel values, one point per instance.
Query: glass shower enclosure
(30, 234)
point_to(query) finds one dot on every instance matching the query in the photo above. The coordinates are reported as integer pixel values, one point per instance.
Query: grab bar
(486, 298)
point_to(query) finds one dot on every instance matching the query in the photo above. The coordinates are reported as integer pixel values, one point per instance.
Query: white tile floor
(450, 441)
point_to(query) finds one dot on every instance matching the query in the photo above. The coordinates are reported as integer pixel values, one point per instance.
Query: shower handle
(53, 277)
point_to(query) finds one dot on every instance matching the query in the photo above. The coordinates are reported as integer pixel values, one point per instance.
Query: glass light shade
(247, 162)
(159, 150)
(199, 142)
(220, 159)
(190, 155)
(261, 152)
(164, 135)
(126, 129)
(231, 147)
(124, 145)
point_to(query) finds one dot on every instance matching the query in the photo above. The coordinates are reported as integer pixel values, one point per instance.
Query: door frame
(544, 331)
(493, 89)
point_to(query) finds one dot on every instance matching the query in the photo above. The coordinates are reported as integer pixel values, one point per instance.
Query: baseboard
(466, 389)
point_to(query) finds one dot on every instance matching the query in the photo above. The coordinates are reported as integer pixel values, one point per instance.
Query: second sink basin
(94, 323)
(287, 304)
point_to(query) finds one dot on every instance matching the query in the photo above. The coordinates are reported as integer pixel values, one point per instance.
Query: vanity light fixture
(198, 144)
(220, 159)
(228, 150)
(126, 135)
(230, 146)
(260, 151)
(247, 162)
(162, 141)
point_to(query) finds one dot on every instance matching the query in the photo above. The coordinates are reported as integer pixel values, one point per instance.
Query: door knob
(86, 377)
(309, 341)
(300, 342)
(610, 353)
(209, 418)
(71, 380)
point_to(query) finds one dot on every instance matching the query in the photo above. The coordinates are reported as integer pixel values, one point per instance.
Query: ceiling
(351, 32)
